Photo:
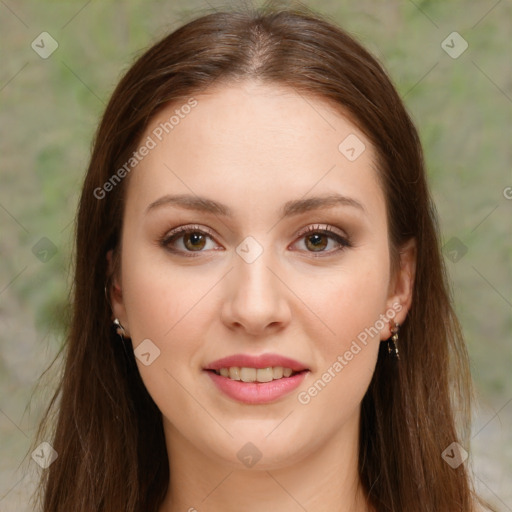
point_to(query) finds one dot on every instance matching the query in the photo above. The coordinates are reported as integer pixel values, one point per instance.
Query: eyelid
(179, 231)
(337, 235)
(189, 228)
(340, 237)
(321, 228)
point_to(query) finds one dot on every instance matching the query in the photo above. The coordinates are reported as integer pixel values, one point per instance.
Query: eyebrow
(290, 208)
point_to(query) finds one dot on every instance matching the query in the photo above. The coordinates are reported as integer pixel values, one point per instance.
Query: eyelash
(175, 234)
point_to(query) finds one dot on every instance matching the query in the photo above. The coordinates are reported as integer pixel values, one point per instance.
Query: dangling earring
(393, 342)
(120, 329)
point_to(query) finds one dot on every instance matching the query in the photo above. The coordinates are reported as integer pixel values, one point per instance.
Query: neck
(326, 480)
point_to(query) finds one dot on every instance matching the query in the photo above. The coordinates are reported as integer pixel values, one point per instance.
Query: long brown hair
(108, 431)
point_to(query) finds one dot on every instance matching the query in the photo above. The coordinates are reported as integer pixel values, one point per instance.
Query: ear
(114, 290)
(401, 286)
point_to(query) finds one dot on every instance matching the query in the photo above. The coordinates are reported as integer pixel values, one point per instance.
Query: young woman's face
(283, 265)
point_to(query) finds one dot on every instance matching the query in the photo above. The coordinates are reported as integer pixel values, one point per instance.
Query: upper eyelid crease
(290, 208)
(313, 228)
(318, 228)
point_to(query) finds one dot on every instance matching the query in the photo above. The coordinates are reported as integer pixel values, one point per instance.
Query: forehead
(254, 146)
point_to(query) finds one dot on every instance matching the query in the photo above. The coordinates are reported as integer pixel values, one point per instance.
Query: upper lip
(251, 361)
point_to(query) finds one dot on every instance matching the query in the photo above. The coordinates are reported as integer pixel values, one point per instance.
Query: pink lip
(256, 392)
(261, 361)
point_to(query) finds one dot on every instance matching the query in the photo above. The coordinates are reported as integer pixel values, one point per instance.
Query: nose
(256, 298)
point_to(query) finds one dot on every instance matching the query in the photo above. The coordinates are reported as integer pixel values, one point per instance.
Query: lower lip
(257, 392)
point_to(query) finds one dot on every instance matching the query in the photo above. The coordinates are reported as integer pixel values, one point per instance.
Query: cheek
(167, 306)
(348, 357)
(347, 301)
(173, 308)
(159, 298)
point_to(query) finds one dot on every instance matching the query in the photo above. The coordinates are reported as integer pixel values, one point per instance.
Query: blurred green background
(49, 111)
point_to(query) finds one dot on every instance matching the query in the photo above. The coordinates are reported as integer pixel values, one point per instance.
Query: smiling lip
(262, 361)
(256, 392)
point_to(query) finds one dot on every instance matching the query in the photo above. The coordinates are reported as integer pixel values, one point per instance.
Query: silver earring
(120, 329)
(393, 342)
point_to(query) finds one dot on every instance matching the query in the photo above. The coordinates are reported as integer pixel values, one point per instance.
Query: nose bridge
(255, 279)
(257, 298)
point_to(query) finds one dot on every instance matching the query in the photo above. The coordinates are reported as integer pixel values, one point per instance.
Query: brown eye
(186, 240)
(317, 242)
(194, 241)
(317, 239)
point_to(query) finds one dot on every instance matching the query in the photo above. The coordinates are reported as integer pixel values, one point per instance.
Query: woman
(261, 316)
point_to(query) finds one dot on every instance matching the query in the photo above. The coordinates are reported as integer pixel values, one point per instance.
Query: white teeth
(234, 373)
(264, 374)
(278, 372)
(248, 374)
(255, 374)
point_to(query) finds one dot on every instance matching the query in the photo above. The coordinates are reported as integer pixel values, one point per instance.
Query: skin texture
(253, 147)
